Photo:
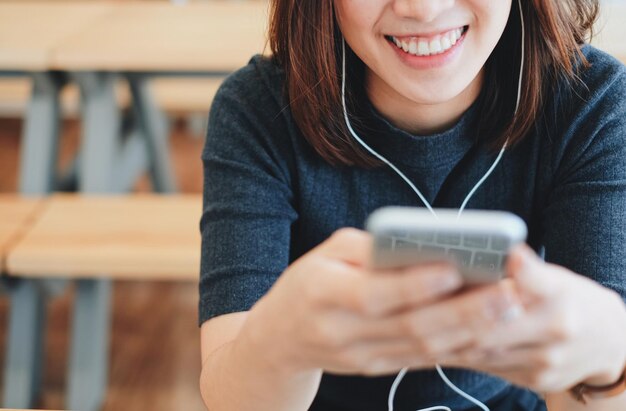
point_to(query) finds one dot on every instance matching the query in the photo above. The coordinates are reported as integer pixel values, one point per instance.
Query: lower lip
(429, 62)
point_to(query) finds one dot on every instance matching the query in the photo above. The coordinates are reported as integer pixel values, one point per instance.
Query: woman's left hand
(568, 329)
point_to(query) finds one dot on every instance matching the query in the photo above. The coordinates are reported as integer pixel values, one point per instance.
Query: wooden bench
(89, 239)
(131, 237)
(13, 409)
(16, 213)
(156, 36)
(93, 45)
(29, 35)
(175, 96)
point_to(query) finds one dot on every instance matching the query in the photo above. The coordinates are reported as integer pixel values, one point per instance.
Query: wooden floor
(154, 356)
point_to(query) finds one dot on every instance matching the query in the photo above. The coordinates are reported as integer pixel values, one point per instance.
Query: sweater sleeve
(585, 217)
(247, 199)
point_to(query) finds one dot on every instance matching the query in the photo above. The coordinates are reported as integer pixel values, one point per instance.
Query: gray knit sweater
(269, 198)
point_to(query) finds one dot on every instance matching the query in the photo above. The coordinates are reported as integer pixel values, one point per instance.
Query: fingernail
(528, 257)
(502, 308)
(511, 313)
(449, 282)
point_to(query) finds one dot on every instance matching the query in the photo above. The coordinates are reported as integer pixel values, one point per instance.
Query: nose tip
(421, 10)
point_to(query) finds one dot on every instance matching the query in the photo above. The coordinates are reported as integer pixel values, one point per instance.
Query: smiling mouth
(429, 46)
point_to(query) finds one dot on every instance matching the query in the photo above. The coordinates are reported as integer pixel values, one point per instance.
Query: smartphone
(478, 241)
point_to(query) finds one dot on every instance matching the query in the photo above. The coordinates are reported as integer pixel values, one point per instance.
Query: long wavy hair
(306, 42)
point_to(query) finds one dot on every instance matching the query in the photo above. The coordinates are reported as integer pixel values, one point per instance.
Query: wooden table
(16, 213)
(29, 31)
(111, 40)
(140, 40)
(91, 239)
(26, 320)
(14, 409)
(160, 37)
(123, 237)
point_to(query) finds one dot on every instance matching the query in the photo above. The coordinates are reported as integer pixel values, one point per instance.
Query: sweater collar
(420, 151)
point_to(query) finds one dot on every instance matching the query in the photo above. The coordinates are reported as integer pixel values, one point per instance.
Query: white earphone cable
(519, 92)
(368, 148)
(402, 373)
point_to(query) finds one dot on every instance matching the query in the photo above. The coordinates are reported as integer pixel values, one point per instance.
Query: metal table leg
(89, 350)
(88, 367)
(154, 127)
(101, 131)
(40, 141)
(22, 378)
(132, 162)
(39, 148)
(108, 166)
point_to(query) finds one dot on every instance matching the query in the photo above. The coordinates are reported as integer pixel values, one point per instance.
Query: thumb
(350, 245)
(534, 279)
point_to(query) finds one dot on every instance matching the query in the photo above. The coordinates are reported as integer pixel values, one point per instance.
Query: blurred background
(108, 98)
(162, 61)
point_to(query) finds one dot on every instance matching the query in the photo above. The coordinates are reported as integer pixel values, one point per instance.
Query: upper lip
(426, 34)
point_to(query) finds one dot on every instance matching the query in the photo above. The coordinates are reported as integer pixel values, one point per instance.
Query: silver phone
(478, 241)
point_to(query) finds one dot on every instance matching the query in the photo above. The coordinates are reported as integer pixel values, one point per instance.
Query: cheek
(492, 17)
(357, 21)
(355, 15)
(490, 20)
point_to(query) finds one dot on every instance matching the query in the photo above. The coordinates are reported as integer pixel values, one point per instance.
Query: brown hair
(306, 42)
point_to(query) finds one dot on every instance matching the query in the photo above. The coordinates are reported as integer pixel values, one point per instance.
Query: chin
(433, 95)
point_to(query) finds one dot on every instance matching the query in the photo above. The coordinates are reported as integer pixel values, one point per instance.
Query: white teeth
(422, 47)
(445, 43)
(435, 46)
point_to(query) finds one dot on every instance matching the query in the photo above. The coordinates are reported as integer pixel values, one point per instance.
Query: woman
(292, 317)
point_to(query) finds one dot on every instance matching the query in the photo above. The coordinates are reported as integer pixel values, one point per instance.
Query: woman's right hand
(329, 311)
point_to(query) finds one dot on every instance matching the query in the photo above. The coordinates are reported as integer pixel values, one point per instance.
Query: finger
(375, 358)
(349, 245)
(474, 311)
(539, 326)
(446, 343)
(395, 290)
(436, 329)
(541, 366)
(495, 360)
(432, 345)
(539, 357)
(533, 277)
(384, 292)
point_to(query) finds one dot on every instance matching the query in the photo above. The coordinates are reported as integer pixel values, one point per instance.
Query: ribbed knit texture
(269, 198)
